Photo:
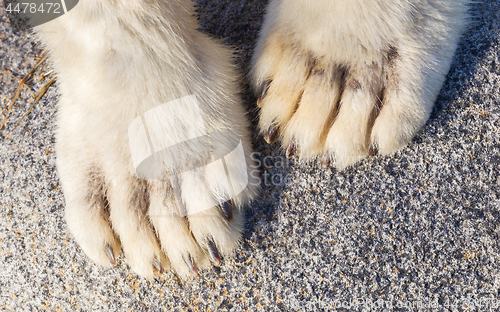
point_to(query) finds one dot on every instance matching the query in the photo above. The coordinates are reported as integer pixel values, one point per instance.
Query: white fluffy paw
(153, 146)
(347, 81)
(182, 207)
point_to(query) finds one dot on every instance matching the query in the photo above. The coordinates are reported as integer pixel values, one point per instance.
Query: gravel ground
(416, 231)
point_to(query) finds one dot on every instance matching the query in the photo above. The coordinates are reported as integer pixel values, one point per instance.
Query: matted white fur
(117, 61)
(352, 76)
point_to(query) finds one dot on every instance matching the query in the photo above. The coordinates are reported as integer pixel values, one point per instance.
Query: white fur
(303, 47)
(115, 61)
(328, 61)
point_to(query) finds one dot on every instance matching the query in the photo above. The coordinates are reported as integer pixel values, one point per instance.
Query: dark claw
(263, 93)
(327, 160)
(157, 266)
(290, 150)
(373, 149)
(111, 255)
(213, 252)
(271, 135)
(227, 209)
(191, 265)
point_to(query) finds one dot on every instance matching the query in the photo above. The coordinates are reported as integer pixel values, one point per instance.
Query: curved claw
(272, 134)
(291, 149)
(111, 255)
(373, 149)
(227, 209)
(327, 161)
(157, 266)
(265, 87)
(213, 252)
(191, 265)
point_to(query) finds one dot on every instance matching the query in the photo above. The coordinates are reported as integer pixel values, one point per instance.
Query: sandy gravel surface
(417, 230)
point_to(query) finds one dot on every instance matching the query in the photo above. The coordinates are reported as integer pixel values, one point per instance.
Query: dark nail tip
(290, 150)
(271, 135)
(111, 255)
(267, 139)
(259, 102)
(191, 265)
(157, 266)
(263, 92)
(372, 150)
(227, 208)
(213, 252)
(327, 161)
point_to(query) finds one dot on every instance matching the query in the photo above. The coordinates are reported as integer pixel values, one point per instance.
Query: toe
(128, 202)
(348, 138)
(315, 113)
(172, 229)
(284, 92)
